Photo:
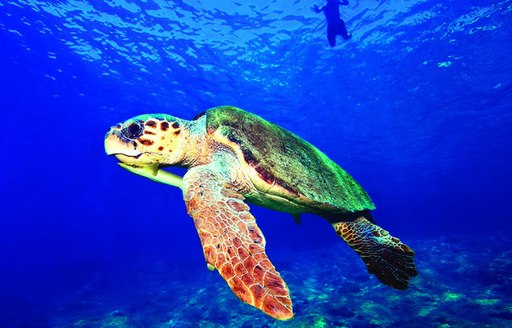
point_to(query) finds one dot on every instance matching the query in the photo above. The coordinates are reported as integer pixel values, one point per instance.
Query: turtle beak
(115, 145)
(109, 143)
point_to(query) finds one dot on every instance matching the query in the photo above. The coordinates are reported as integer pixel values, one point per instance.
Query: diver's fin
(152, 172)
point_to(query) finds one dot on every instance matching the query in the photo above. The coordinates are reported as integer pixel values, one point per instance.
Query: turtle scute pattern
(234, 245)
(283, 159)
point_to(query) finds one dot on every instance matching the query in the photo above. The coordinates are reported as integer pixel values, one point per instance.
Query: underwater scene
(183, 163)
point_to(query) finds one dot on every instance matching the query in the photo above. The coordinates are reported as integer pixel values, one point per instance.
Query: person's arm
(317, 9)
(343, 2)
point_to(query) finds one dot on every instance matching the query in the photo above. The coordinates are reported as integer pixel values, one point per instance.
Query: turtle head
(147, 140)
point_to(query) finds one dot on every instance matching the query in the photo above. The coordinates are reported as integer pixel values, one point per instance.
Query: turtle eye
(132, 131)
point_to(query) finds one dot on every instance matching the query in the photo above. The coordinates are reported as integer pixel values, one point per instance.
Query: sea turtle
(234, 157)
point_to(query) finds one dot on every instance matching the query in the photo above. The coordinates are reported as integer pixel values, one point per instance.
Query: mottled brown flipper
(384, 255)
(233, 243)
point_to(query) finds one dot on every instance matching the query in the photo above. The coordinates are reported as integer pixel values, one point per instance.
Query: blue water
(416, 106)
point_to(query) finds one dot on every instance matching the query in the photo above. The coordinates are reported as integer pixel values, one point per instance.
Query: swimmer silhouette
(335, 25)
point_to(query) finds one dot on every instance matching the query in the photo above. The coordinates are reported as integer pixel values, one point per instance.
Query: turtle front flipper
(233, 243)
(154, 173)
(384, 255)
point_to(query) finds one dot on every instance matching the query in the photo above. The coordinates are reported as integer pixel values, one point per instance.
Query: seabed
(462, 282)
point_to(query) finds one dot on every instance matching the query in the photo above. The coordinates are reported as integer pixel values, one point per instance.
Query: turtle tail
(384, 255)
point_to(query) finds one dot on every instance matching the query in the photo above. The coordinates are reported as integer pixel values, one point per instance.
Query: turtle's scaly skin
(384, 255)
(238, 253)
(233, 156)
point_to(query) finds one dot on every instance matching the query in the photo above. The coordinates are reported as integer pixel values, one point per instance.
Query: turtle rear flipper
(384, 255)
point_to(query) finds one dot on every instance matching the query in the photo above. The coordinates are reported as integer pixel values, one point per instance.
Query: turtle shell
(284, 165)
